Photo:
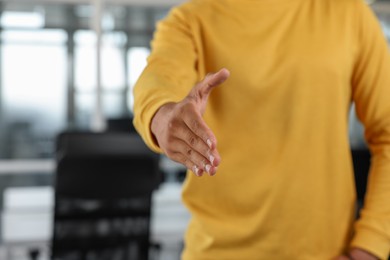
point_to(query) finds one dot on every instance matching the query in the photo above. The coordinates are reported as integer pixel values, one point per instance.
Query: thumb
(213, 80)
(202, 90)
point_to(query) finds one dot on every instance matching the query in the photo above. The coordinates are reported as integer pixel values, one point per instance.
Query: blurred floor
(22, 254)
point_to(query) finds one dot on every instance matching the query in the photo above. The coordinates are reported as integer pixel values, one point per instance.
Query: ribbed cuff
(372, 242)
(143, 124)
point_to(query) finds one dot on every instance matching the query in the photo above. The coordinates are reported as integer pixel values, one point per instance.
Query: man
(275, 130)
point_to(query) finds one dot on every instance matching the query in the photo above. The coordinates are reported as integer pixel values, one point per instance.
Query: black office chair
(361, 164)
(103, 189)
(123, 124)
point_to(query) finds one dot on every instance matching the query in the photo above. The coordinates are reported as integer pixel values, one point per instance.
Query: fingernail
(209, 143)
(212, 159)
(195, 169)
(208, 167)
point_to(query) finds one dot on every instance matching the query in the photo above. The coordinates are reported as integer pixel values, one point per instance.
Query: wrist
(158, 118)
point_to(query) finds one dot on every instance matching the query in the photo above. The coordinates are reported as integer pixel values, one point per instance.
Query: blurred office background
(67, 65)
(71, 65)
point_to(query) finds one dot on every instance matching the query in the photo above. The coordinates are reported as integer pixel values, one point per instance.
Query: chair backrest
(103, 188)
(361, 164)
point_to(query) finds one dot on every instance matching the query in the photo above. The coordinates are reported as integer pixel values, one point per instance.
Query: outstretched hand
(181, 132)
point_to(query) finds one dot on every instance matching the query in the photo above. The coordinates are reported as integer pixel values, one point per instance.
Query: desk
(28, 214)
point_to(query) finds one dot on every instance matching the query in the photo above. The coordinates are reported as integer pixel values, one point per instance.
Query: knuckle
(189, 152)
(192, 140)
(189, 137)
(173, 124)
(195, 124)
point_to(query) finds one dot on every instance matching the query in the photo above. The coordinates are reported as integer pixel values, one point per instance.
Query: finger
(213, 80)
(181, 152)
(202, 89)
(193, 141)
(201, 137)
(181, 158)
(198, 159)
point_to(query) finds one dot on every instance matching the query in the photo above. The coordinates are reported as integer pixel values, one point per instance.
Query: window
(137, 62)
(33, 70)
(48, 70)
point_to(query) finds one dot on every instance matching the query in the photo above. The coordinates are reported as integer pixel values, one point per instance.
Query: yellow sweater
(285, 186)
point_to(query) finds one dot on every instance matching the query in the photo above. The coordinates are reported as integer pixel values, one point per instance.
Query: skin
(184, 137)
(181, 132)
(357, 254)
